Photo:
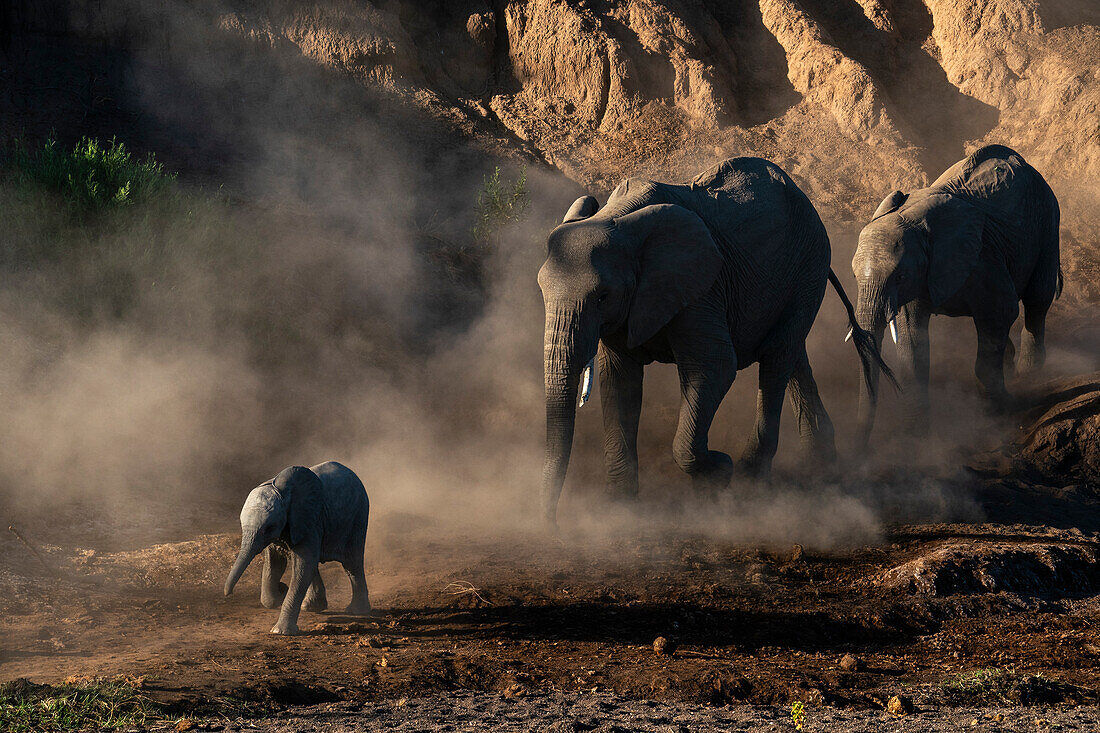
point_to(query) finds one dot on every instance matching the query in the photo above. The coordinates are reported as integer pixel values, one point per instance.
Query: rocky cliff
(853, 97)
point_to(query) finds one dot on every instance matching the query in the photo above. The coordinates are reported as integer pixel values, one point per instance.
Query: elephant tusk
(849, 336)
(894, 329)
(586, 382)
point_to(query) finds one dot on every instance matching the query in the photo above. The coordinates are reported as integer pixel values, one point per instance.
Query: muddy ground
(1002, 613)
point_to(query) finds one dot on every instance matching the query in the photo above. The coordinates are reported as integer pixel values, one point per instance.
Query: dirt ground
(1003, 613)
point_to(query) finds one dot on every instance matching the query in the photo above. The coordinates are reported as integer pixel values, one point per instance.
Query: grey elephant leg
(316, 600)
(303, 569)
(272, 590)
(814, 426)
(704, 380)
(913, 364)
(989, 366)
(1033, 351)
(775, 372)
(360, 597)
(621, 402)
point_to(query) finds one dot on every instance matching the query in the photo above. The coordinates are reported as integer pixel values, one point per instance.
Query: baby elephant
(307, 516)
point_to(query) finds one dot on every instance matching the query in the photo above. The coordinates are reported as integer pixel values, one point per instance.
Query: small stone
(899, 705)
(851, 663)
(185, 724)
(663, 646)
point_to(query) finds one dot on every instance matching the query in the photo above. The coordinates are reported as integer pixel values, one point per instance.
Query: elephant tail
(1061, 281)
(864, 341)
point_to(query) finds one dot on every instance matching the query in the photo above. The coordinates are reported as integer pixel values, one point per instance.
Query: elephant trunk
(567, 348)
(873, 311)
(251, 546)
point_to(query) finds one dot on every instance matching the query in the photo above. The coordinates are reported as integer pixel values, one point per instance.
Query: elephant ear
(955, 244)
(303, 492)
(582, 208)
(678, 261)
(891, 203)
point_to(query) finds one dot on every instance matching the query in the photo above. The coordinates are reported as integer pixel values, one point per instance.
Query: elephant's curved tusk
(894, 329)
(586, 382)
(849, 336)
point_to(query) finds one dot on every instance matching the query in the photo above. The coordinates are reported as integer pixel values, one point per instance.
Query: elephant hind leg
(316, 600)
(1033, 338)
(775, 373)
(360, 597)
(814, 426)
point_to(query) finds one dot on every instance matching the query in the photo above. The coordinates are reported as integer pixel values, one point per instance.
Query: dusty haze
(298, 300)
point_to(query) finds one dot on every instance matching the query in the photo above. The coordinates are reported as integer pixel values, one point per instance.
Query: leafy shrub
(499, 203)
(92, 176)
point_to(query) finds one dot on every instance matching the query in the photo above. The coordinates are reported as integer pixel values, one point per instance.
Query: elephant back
(995, 179)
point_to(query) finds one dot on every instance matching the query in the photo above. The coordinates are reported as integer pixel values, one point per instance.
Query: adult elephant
(714, 275)
(975, 243)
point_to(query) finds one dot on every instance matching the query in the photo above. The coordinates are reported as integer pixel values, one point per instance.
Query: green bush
(499, 203)
(92, 176)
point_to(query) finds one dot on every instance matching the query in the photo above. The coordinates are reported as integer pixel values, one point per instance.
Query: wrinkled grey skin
(305, 516)
(714, 276)
(977, 242)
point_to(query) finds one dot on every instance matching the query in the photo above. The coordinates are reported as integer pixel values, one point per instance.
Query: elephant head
(287, 507)
(914, 247)
(604, 275)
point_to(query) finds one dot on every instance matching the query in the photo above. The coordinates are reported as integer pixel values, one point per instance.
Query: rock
(481, 27)
(899, 705)
(796, 553)
(851, 663)
(515, 690)
(1031, 568)
(663, 646)
(185, 724)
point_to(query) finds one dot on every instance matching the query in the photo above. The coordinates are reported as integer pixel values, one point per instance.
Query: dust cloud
(322, 307)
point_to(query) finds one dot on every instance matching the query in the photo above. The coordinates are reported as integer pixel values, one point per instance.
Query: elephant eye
(601, 298)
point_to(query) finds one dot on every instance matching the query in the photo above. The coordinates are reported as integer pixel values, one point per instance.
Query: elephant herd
(714, 275)
(730, 269)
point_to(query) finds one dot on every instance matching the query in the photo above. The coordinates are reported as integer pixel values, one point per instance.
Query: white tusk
(586, 382)
(849, 336)
(894, 329)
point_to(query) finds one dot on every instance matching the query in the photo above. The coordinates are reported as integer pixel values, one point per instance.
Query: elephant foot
(358, 608)
(820, 453)
(285, 628)
(315, 605)
(625, 493)
(717, 475)
(272, 599)
(998, 405)
(755, 466)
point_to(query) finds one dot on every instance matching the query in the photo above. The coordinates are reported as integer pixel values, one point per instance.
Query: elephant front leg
(272, 589)
(303, 571)
(621, 402)
(764, 440)
(913, 364)
(703, 384)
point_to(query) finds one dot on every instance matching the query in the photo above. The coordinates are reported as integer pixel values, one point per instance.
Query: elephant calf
(306, 516)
